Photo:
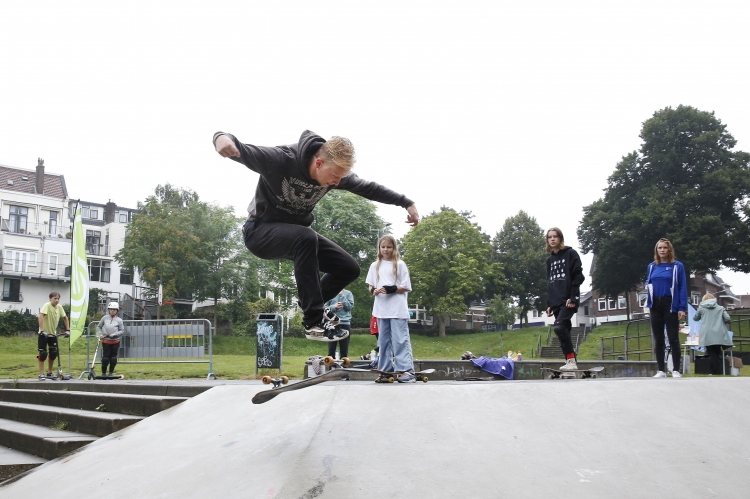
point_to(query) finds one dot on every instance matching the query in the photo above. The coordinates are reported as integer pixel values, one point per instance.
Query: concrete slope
(637, 438)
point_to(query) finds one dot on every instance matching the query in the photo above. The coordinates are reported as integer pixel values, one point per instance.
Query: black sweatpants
(715, 358)
(311, 254)
(342, 344)
(562, 327)
(662, 315)
(109, 357)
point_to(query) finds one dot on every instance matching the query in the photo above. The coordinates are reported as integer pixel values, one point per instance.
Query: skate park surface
(614, 438)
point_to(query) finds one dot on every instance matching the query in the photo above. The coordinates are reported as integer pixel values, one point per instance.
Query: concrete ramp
(614, 438)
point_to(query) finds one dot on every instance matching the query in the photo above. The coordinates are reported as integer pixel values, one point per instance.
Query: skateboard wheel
(390, 379)
(266, 379)
(378, 380)
(551, 376)
(593, 375)
(328, 360)
(284, 380)
(424, 379)
(345, 361)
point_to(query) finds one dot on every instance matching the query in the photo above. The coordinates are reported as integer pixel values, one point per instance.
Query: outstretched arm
(413, 216)
(225, 147)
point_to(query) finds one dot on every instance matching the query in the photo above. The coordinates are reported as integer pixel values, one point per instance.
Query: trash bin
(269, 339)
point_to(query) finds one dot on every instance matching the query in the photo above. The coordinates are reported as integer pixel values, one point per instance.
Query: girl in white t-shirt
(388, 280)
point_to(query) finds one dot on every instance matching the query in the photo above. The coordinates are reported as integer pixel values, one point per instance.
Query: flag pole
(70, 283)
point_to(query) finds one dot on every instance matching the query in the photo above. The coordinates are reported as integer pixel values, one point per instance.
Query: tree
(501, 311)
(183, 242)
(685, 184)
(352, 222)
(519, 248)
(449, 263)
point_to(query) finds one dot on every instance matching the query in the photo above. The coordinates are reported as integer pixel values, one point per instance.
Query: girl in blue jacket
(667, 298)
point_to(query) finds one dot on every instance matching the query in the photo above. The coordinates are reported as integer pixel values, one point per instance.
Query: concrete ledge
(39, 441)
(455, 370)
(173, 388)
(91, 422)
(14, 462)
(135, 405)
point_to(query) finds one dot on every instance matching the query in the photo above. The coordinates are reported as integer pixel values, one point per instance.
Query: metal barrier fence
(740, 340)
(177, 341)
(629, 346)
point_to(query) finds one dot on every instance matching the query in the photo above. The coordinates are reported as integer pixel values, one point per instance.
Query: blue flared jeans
(395, 346)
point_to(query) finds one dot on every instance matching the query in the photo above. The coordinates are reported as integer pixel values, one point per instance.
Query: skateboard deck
(265, 396)
(393, 376)
(116, 376)
(585, 373)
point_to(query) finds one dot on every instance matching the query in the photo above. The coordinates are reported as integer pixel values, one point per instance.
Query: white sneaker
(570, 365)
(660, 374)
(676, 374)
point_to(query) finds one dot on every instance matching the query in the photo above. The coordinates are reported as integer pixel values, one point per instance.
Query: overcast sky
(490, 107)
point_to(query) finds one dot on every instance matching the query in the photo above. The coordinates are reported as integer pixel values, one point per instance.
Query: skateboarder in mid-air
(292, 180)
(565, 276)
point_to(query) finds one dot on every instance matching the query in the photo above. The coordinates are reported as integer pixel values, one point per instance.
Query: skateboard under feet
(390, 377)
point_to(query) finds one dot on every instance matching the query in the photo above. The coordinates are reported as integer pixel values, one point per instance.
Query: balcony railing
(97, 249)
(24, 266)
(19, 226)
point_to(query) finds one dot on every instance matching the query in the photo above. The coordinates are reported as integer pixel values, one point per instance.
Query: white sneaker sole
(325, 338)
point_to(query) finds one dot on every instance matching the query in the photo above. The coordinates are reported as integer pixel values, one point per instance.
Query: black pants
(109, 357)
(343, 344)
(311, 254)
(715, 358)
(662, 315)
(563, 326)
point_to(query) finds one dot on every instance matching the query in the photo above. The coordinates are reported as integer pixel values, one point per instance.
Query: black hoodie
(285, 191)
(565, 276)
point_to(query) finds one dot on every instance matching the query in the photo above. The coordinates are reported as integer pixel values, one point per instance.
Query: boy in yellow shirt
(49, 317)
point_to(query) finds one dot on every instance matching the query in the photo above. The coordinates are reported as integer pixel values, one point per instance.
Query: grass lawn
(234, 356)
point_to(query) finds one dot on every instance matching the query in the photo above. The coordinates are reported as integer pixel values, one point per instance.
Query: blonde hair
(339, 150)
(559, 234)
(394, 257)
(670, 253)
(707, 296)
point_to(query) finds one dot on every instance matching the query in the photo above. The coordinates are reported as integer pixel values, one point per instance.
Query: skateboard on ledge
(591, 372)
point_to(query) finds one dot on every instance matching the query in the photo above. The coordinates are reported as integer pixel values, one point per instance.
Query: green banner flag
(79, 280)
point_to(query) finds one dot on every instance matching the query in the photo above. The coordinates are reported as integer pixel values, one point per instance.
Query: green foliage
(685, 184)
(190, 245)
(449, 263)
(502, 311)
(519, 249)
(13, 322)
(95, 294)
(351, 222)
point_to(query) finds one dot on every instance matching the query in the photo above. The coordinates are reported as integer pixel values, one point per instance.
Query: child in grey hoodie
(713, 332)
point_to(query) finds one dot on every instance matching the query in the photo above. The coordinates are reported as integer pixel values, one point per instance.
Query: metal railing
(21, 226)
(625, 346)
(166, 341)
(739, 339)
(30, 264)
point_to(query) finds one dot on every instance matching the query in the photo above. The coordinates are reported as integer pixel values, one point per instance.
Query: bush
(13, 322)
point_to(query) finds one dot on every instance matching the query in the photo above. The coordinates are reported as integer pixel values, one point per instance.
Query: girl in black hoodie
(564, 279)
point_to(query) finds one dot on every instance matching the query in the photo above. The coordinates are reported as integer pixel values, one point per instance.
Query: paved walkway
(614, 438)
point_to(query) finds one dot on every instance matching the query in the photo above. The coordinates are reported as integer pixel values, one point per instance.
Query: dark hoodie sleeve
(259, 159)
(373, 191)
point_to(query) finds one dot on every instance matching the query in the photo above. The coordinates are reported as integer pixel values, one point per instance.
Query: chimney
(109, 212)
(40, 176)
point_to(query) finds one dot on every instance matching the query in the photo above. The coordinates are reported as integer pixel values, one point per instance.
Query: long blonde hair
(394, 257)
